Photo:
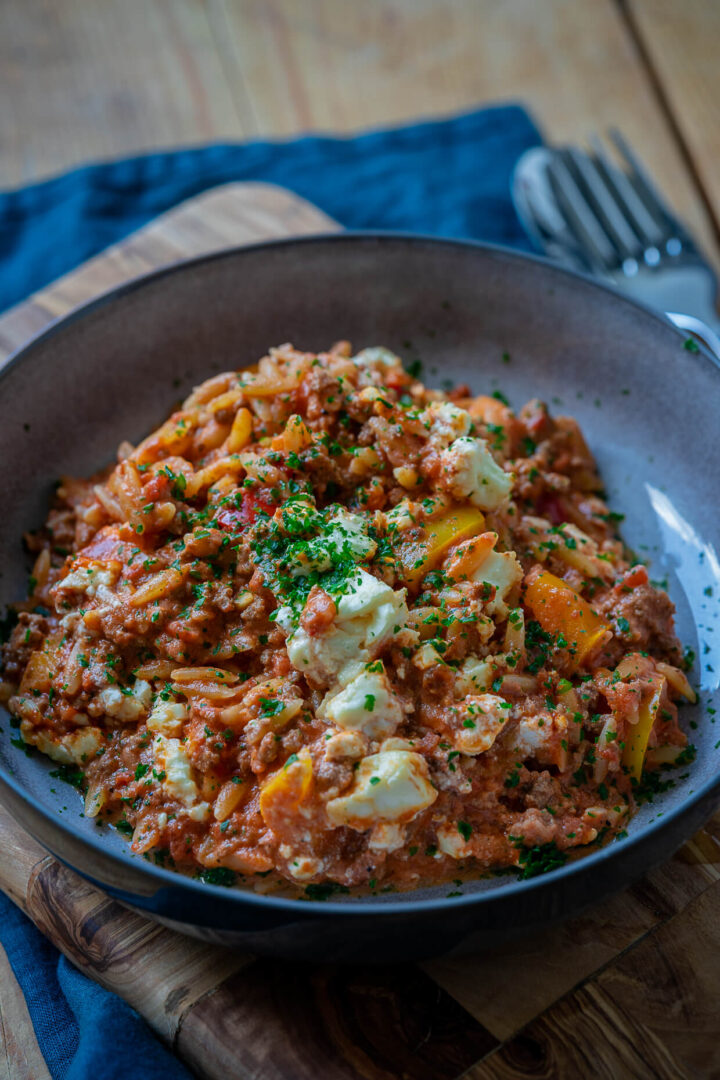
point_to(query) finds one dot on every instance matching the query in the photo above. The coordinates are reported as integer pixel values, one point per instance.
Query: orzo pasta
(331, 628)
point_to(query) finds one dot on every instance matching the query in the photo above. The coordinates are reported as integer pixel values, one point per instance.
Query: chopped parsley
(540, 859)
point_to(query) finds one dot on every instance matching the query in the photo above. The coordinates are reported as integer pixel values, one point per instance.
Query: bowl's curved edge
(682, 821)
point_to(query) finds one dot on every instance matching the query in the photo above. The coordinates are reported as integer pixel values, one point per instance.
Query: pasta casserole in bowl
(338, 654)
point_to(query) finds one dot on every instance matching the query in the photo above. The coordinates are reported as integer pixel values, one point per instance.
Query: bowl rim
(363, 905)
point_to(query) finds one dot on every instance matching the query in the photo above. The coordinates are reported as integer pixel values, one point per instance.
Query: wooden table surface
(82, 81)
(630, 988)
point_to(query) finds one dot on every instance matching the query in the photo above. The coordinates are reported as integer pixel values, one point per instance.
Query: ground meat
(26, 636)
(536, 419)
(648, 613)
(333, 776)
(544, 791)
(267, 751)
(536, 827)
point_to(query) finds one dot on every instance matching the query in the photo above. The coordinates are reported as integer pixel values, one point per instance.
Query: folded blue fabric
(82, 1030)
(448, 177)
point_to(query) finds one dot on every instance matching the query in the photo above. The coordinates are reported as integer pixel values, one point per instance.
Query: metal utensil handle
(698, 328)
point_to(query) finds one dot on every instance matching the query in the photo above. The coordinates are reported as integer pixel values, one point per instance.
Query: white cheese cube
(346, 746)
(171, 758)
(167, 717)
(484, 716)
(392, 786)
(471, 472)
(88, 578)
(367, 614)
(537, 736)
(126, 706)
(341, 535)
(373, 366)
(501, 569)
(366, 704)
(451, 843)
(75, 748)
(445, 422)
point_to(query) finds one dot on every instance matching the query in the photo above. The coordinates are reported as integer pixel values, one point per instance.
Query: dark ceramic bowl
(481, 315)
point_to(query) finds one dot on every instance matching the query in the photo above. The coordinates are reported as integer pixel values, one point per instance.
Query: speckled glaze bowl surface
(489, 317)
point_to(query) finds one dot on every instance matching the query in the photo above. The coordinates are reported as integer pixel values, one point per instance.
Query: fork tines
(618, 218)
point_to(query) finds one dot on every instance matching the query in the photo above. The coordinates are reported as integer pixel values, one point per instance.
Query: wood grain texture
(20, 1057)
(159, 972)
(345, 65)
(527, 976)
(631, 988)
(653, 1013)
(224, 217)
(331, 1023)
(89, 81)
(21, 855)
(681, 38)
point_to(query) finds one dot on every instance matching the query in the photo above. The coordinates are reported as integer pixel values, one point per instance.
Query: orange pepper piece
(419, 557)
(562, 611)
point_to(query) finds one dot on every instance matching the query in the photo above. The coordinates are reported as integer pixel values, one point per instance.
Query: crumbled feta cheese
(373, 366)
(474, 674)
(469, 471)
(386, 838)
(484, 716)
(451, 843)
(445, 422)
(501, 569)
(126, 706)
(366, 704)
(344, 534)
(167, 717)
(392, 786)
(402, 516)
(536, 734)
(304, 867)
(88, 579)
(367, 616)
(171, 758)
(346, 746)
(427, 656)
(75, 748)
(396, 743)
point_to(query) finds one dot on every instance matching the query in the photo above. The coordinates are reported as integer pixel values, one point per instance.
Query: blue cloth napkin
(448, 177)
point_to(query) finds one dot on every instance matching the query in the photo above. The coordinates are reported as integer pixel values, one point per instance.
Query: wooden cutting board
(629, 989)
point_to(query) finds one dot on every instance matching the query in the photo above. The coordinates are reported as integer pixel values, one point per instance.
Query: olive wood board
(630, 988)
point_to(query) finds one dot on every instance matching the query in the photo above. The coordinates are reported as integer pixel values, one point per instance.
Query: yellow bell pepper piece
(418, 557)
(637, 739)
(561, 611)
(282, 795)
(241, 431)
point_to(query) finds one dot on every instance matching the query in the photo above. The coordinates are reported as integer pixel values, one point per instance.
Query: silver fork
(584, 210)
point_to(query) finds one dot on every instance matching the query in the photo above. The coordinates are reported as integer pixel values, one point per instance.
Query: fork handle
(692, 325)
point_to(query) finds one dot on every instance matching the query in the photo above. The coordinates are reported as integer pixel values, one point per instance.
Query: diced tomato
(235, 518)
(550, 507)
(106, 545)
(157, 488)
(395, 379)
(636, 575)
